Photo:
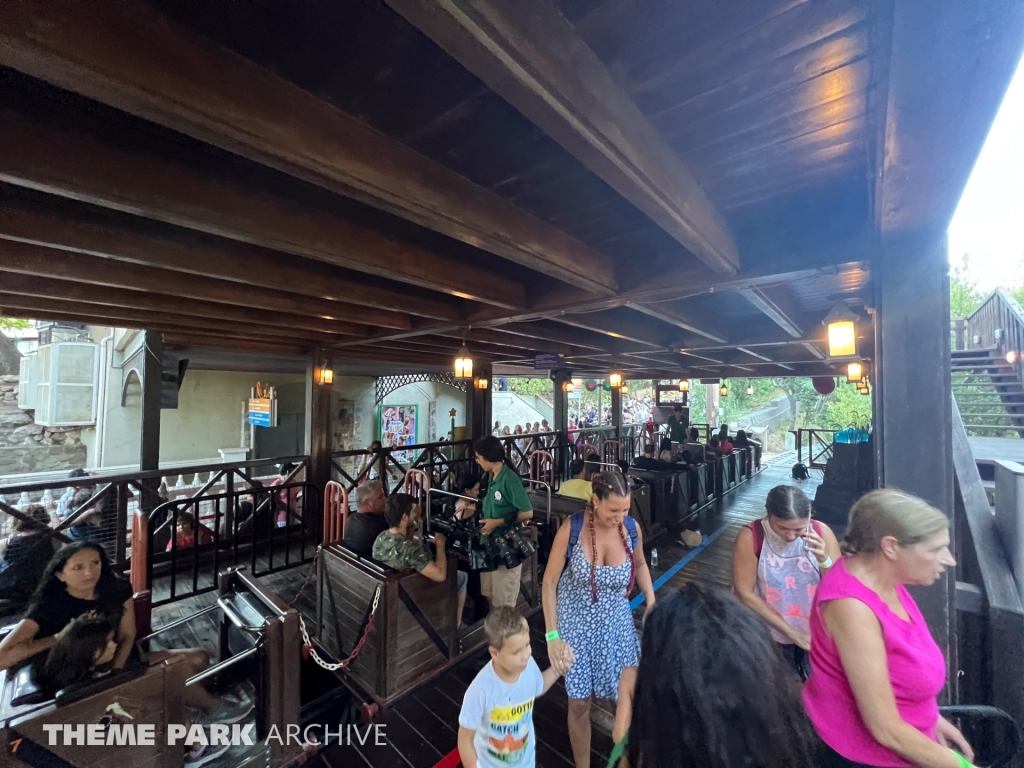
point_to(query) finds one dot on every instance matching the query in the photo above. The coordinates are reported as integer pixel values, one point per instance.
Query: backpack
(757, 528)
(576, 528)
(799, 471)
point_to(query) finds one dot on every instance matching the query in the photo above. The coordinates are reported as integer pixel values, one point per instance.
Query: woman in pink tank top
(876, 671)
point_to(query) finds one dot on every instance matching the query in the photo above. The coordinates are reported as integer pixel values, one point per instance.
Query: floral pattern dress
(602, 634)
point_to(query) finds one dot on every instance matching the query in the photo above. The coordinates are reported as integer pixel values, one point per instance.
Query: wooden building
(660, 188)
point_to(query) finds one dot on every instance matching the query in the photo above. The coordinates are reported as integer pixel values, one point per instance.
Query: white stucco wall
(209, 412)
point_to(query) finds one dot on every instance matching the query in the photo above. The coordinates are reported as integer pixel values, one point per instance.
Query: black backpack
(799, 471)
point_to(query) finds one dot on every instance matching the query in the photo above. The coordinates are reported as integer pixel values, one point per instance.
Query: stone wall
(27, 447)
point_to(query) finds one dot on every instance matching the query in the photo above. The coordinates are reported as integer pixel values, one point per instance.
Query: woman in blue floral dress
(596, 558)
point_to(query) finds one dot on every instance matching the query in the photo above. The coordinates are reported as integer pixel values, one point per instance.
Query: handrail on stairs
(990, 613)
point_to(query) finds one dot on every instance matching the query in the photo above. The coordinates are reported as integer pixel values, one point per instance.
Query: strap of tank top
(757, 529)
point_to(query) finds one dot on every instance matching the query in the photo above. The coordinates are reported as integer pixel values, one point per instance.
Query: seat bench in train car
(411, 636)
(669, 503)
(260, 643)
(563, 507)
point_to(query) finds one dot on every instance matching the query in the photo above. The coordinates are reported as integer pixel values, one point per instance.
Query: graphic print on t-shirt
(509, 732)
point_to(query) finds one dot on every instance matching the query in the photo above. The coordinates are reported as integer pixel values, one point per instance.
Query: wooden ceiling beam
(45, 151)
(64, 290)
(780, 304)
(33, 260)
(676, 318)
(528, 53)
(178, 340)
(620, 324)
(32, 308)
(87, 229)
(133, 58)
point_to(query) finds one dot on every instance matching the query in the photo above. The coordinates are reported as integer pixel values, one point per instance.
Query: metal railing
(102, 508)
(266, 528)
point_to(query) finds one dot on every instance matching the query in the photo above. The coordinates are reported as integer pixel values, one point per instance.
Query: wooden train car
(412, 633)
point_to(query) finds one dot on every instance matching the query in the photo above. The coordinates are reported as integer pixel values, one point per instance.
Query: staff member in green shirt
(506, 503)
(677, 428)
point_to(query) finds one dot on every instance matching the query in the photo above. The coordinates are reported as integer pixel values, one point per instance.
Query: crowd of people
(818, 657)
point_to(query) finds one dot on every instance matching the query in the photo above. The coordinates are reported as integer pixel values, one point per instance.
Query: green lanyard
(617, 751)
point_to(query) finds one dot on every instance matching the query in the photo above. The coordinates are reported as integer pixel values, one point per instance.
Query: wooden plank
(128, 239)
(87, 270)
(44, 152)
(620, 323)
(45, 288)
(933, 135)
(530, 54)
(701, 327)
(176, 318)
(131, 57)
(780, 304)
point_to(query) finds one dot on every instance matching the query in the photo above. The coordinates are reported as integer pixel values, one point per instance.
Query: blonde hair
(501, 623)
(888, 512)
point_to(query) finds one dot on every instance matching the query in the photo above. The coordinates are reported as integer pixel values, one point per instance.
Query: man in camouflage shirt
(396, 548)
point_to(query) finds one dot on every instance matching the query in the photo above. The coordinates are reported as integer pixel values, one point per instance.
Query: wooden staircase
(988, 392)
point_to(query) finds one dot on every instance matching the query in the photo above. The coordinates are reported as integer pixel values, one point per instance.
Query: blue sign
(548, 361)
(259, 419)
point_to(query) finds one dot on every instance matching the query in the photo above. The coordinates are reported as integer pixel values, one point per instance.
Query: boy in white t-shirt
(496, 721)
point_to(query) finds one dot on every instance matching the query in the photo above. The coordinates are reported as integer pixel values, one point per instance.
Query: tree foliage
(12, 324)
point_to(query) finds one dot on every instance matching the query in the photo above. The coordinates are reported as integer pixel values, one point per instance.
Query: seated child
(496, 721)
(83, 650)
(186, 533)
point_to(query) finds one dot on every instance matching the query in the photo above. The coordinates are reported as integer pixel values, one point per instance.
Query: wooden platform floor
(423, 727)
(995, 448)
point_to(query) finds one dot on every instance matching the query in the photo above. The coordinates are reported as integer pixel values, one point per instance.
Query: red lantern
(824, 385)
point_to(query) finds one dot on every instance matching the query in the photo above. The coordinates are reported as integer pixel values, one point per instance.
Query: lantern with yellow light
(624, 389)
(463, 364)
(568, 387)
(326, 373)
(842, 331)
(724, 390)
(482, 383)
(684, 385)
(855, 372)
(615, 380)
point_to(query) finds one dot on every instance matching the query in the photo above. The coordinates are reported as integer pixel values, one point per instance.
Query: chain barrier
(355, 651)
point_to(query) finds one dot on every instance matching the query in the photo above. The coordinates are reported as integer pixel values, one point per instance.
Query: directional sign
(548, 361)
(263, 410)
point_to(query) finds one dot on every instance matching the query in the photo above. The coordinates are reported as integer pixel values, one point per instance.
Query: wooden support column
(152, 376)
(478, 404)
(149, 440)
(560, 422)
(318, 418)
(617, 410)
(912, 395)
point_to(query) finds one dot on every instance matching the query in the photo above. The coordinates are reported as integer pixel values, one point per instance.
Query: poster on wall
(398, 428)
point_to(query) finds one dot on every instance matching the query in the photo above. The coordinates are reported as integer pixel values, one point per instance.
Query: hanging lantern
(750, 389)
(842, 331)
(463, 364)
(615, 380)
(1011, 357)
(326, 373)
(684, 385)
(724, 390)
(568, 387)
(854, 372)
(482, 383)
(624, 389)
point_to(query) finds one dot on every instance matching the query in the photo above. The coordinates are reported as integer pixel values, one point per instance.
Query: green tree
(964, 296)
(739, 403)
(12, 324)
(845, 407)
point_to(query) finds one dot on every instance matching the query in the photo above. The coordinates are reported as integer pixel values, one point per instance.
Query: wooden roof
(659, 187)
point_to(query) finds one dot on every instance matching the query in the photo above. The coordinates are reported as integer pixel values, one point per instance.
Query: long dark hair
(490, 448)
(712, 690)
(72, 659)
(51, 587)
(787, 502)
